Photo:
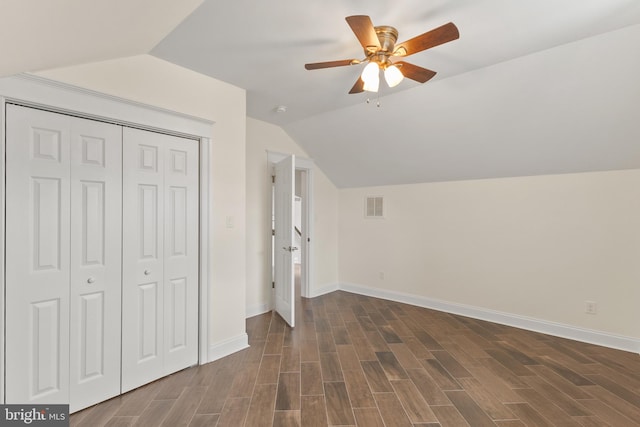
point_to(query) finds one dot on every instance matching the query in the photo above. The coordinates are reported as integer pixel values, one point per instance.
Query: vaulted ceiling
(37, 35)
(531, 87)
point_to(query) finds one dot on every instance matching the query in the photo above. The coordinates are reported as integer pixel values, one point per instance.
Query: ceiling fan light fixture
(393, 75)
(371, 77)
(381, 51)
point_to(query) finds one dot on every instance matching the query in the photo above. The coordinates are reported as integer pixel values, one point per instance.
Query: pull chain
(377, 101)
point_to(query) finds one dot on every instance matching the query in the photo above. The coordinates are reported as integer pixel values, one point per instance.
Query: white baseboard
(537, 325)
(258, 309)
(226, 347)
(324, 289)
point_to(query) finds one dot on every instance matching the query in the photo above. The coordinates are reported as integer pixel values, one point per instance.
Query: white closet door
(96, 218)
(160, 256)
(142, 253)
(63, 258)
(37, 257)
(180, 254)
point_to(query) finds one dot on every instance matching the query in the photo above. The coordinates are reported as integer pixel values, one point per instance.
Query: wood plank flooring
(360, 361)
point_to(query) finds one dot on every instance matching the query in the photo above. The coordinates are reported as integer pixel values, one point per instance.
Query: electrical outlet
(590, 307)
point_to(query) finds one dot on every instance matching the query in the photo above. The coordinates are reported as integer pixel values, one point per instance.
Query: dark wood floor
(354, 360)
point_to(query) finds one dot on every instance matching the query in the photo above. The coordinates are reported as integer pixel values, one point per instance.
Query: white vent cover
(374, 207)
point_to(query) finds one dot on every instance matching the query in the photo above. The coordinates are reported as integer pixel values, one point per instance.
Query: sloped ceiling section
(574, 108)
(531, 87)
(37, 35)
(263, 46)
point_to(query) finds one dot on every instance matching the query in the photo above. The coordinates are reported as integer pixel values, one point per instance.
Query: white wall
(533, 246)
(263, 137)
(152, 81)
(537, 247)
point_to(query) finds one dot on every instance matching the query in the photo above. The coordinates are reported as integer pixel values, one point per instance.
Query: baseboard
(532, 324)
(226, 347)
(258, 309)
(324, 289)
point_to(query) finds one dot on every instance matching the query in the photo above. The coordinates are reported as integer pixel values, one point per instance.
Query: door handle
(91, 280)
(147, 272)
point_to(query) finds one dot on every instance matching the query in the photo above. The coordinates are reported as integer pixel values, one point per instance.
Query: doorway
(303, 225)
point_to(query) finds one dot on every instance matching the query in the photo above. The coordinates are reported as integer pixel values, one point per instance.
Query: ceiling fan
(382, 53)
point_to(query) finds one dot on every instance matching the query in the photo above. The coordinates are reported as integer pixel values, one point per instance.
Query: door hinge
(273, 285)
(273, 179)
(273, 232)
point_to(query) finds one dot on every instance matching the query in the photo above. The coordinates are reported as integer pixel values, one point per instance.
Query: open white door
(284, 239)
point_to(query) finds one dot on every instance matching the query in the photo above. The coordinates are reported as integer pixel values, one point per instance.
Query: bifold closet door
(160, 256)
(96, 260)
(63, 277)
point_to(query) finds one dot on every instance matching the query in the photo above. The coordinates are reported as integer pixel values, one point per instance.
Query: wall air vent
(374, 207)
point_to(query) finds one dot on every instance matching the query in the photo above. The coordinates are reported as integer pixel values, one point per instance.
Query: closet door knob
(91, 280)
(147, 272)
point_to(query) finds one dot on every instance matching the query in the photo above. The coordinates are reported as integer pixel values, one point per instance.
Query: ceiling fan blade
(330, 64)
(358, 87)
(414, 72)
(446, 33)
(364, 31)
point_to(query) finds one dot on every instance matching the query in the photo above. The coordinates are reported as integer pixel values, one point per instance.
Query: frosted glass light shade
(371, 77)
(393, 76)
(371, 71)
(372, 85)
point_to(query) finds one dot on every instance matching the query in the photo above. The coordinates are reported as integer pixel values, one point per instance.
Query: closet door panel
(142, 267)
(160, 256)
(181, 254)
(37, 257)
(96, 230)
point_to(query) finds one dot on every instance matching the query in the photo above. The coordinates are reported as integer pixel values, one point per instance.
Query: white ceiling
(531, 87)
(43, 34)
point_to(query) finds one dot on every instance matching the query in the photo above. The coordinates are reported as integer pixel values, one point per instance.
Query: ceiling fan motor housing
(387, 36)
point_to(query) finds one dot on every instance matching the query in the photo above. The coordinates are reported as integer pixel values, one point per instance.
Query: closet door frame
(45, 94)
